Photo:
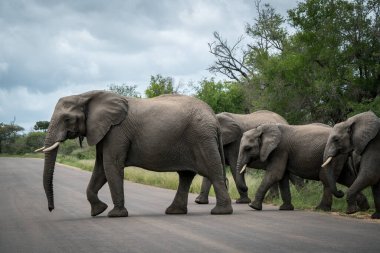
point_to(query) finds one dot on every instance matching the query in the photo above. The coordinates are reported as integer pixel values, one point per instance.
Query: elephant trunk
(332, 183)
(240, 182)
(49, 164)
(328, 166)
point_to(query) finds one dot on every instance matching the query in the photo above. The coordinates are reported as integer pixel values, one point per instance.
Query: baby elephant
(298, 150)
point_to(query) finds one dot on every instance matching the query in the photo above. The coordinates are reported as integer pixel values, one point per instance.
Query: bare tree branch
(228, 62)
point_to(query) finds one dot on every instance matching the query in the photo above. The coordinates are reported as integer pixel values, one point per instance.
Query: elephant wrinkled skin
(233, 126)
(166, 133)
(299, 150)
(361, 134)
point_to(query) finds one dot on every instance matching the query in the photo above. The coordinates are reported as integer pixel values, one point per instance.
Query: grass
(307, 199)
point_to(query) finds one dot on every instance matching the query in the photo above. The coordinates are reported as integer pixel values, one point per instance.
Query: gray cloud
(50, 49)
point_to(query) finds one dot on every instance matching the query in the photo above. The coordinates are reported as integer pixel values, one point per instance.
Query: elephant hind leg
(179, 204)
(209, 164)
(285, 193)
(205, 189)
(223, 201)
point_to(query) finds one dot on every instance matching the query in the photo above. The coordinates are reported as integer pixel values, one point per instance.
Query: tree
(159, 85)
(34, 140)
(221, 96)
(230, 61)
(8, 133)
(125, 90)
(328, 68)
(41, 126)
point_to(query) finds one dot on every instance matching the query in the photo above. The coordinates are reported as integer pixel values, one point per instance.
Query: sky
(52, 48)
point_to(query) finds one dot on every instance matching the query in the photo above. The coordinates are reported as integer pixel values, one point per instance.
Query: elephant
(232, 127)
(361, 134)
(172, 133)
(285, 149)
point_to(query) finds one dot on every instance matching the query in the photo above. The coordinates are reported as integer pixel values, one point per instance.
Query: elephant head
(230, 129)
(350, 136)
(88, 115)
(258, 144)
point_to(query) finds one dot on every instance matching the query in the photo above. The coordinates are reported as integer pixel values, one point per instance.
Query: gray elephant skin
(232, 127)
(361, 134)
(285, 149)
(166, 133)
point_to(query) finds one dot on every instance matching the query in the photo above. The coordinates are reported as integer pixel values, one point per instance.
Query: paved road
(27, 226)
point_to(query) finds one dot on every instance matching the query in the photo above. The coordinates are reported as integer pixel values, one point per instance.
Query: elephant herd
(182, 134)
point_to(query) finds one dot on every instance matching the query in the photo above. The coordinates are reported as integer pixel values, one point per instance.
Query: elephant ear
(363, 128)
(231, 130)
(103, 110)
(270, 138)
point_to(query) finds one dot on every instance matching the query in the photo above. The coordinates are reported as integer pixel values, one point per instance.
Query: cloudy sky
(50, 49)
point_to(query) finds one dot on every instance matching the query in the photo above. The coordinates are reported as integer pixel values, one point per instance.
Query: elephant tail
(221, 152)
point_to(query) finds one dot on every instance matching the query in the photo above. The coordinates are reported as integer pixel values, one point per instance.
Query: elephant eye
(69, 121)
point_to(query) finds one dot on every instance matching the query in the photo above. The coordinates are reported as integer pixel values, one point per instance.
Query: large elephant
(360, 133)
(167, 133)
(232, 127)
(285, 149)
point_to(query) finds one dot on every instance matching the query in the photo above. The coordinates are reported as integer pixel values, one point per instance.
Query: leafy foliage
(41, 126)
(125, 90)
(221, 96)
(8, 134)
(159, 85)
(327, 69)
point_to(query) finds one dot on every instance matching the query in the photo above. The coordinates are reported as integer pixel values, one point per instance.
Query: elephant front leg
(274, 173)
(98, 179)
(179, 204)
(205, 189)
(115, 178)
(326, 201)
(269, 179)
(113, 161)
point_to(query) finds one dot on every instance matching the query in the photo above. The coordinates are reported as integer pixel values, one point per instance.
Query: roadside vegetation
(318, 63)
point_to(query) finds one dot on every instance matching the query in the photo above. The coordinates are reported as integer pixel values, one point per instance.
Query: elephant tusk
(327, 161)
(40, 149)
(51, 147)
(243, 169)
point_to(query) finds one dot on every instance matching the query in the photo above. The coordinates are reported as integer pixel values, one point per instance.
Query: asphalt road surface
(26, 225)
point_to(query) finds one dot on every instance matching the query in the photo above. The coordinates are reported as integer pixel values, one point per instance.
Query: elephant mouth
(72, 135)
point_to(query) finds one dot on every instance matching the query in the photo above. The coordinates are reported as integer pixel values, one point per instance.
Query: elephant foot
(352, 209)
(222, 209)
(257, 205)
(172, 209)
(118, 212)
(375, 215)
(98, 208)
(286, 207)
(243, 200)
(363, 204)
(323, 207)
(201, 200)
